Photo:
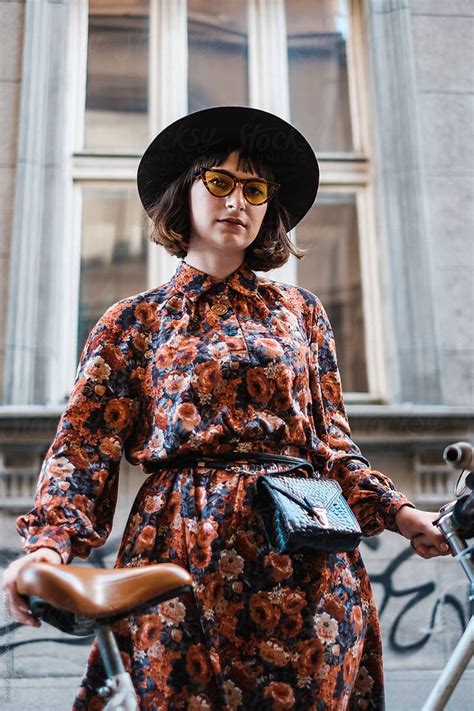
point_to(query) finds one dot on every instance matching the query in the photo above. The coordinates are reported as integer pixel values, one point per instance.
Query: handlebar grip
(463, 515)
(460, 455)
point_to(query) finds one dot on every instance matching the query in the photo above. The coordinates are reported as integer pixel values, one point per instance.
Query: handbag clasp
(321, 515)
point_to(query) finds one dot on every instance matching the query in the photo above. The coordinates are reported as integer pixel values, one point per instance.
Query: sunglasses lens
(219, 184)
(257, 192)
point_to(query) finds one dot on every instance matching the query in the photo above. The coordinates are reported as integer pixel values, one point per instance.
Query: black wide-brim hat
(257, 133)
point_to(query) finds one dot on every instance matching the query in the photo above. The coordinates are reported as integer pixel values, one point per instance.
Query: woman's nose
(236, 197)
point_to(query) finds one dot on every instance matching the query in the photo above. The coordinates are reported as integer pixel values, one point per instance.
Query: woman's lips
(232, 223)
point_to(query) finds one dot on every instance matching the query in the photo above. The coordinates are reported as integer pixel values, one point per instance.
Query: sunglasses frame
(238, 181)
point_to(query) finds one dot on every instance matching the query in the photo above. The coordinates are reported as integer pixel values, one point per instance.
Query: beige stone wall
(444, 54)
(11, 23)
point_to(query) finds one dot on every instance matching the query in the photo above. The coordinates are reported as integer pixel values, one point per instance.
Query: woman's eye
(218, 182)
(256, 190)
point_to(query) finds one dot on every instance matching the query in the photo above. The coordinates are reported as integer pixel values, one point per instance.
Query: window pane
(319, 93)
(332, 271)
(113, 252)
(117, 75)
(217, 70)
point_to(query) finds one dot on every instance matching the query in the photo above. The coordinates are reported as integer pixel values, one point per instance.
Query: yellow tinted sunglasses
(221, 183)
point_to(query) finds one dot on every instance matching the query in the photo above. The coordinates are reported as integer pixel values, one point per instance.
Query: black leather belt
(194, 459)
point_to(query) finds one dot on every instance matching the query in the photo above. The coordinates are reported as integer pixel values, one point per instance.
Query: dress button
(219, 309)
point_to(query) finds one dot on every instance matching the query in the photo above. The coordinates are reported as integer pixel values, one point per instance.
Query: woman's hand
(15, 604)
(425, 539)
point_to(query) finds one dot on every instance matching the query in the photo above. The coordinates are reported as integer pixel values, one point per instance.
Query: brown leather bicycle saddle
(97, 593)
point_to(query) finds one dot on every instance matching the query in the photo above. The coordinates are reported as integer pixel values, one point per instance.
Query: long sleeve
(77, 488)
(371, 495)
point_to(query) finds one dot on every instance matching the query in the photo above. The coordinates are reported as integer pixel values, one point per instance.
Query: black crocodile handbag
(301, 514)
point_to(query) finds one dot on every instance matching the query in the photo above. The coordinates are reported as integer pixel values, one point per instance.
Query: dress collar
(194, 283)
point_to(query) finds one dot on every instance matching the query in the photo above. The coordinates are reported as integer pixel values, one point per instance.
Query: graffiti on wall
(411, 597)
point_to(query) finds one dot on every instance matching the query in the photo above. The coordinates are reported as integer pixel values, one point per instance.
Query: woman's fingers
(15, 604)
(17, 608)
(425, 546)
(437, 540)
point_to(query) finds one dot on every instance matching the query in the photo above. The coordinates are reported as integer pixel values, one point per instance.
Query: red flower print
(263, 612)
(197, 664)
(273, 652)
(111, 447)
(113, 356)
(141, 341)
(331, 387)
(335, 607)
(280, 565)
(291, 626)
(188, 415)
(146, 539)
(310, 656)
(213, 592)
(145, 313)
(116, 414)
(281, 695)
(208, 376)
(292, 602)
(270, 347)
(149, 631)
(259, 386)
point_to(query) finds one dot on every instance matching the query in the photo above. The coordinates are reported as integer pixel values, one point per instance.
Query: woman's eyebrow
(225, 170)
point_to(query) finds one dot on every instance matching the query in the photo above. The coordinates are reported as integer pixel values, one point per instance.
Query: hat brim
(259, 133)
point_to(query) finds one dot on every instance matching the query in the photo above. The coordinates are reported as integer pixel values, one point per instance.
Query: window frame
(167, 101)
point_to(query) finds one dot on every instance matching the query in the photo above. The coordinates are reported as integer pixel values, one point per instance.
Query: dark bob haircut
(271, 247)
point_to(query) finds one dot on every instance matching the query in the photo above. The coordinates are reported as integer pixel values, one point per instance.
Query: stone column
(11, 24)
(41, 194)
(405, 241)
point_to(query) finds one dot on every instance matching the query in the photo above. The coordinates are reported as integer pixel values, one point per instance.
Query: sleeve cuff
(395, 504)
(57, 541)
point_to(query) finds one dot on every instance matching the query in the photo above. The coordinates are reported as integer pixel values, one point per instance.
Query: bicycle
(85, 602)
(456, 521)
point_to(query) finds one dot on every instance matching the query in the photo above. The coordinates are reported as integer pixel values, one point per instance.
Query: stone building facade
(404, 185)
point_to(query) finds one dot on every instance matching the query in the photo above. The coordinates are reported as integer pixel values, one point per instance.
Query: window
(318, 72)
(332, 271)
(113, 250)
(116, 115)
(217, 47)
(148, 62)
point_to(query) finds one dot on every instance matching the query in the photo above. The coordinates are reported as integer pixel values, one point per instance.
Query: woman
(215, 361)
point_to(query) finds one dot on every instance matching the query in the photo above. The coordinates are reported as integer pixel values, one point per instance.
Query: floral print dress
(206, 365)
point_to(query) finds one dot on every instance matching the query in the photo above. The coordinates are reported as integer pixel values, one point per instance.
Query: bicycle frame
(118, 688)
(464, 650)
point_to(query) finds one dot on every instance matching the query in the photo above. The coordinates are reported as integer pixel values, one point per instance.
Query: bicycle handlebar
(463, 515)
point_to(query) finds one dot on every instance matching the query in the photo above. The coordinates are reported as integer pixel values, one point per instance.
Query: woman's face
(213, 219)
